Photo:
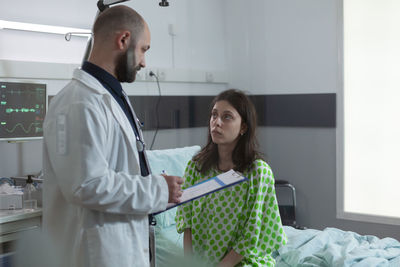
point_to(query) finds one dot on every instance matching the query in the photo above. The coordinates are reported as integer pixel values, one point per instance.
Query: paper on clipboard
(211, 185)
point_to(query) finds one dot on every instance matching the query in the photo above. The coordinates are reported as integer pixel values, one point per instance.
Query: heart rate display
(22, 110)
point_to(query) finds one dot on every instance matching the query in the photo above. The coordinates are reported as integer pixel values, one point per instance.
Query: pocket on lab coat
(110, 246)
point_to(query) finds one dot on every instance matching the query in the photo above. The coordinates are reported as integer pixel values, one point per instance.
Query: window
(369, 112)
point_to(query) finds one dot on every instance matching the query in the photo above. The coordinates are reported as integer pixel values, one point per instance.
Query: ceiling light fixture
(21, 26)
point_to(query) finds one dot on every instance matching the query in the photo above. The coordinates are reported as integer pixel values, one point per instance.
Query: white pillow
(173, 162)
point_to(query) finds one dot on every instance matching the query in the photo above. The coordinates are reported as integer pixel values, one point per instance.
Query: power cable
(157, 105)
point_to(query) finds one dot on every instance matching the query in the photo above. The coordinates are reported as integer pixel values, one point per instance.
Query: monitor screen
(22, 110)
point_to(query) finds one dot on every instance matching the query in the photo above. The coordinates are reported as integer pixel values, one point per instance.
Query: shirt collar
(104, 77)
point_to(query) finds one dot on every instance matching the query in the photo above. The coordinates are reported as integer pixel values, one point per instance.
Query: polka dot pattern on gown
(244, 217)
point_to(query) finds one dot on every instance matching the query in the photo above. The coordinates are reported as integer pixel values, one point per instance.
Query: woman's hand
(231, 259)
(187, 242)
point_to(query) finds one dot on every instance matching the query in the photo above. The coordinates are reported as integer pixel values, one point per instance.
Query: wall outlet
(209, 77)
(148, 76)
(162, 75)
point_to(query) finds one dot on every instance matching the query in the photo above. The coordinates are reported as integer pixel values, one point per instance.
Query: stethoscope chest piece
(140, 145)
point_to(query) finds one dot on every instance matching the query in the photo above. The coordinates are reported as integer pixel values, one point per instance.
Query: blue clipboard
(207, 187)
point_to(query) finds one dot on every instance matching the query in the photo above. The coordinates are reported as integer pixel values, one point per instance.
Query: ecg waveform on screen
(10, 110)
(23, 128)
(37, 90)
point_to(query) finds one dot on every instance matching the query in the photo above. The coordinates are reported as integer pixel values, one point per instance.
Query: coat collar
(93, 84)
(90, 81)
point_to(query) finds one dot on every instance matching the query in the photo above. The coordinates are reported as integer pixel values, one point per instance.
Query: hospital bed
(330, 247)
(310, 247)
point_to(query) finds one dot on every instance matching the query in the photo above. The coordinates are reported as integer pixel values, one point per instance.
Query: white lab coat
(95, 203)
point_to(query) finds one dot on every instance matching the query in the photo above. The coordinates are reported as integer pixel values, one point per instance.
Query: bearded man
(98, 189)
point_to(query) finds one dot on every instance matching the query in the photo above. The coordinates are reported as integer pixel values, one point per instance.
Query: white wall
(280, 47)
(193, 48)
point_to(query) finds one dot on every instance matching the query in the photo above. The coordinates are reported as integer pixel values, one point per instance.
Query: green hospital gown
(244, 217)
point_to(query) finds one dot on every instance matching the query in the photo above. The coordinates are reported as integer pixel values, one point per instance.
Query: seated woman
(239, 224)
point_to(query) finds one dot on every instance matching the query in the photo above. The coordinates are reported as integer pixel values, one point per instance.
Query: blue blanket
(333, 247)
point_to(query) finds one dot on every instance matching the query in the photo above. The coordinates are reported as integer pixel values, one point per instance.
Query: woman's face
(225, 124)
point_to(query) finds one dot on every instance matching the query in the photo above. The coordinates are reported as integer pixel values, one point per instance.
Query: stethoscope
(140, 144)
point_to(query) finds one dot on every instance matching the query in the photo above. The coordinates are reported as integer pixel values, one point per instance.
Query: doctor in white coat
(97, 192)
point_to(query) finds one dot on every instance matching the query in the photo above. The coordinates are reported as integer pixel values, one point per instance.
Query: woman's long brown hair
(245, 151)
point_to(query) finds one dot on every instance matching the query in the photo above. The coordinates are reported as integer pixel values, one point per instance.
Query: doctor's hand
(174, 188)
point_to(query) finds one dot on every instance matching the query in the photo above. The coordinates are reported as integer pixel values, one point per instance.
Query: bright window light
(371, 66)
(12, 25)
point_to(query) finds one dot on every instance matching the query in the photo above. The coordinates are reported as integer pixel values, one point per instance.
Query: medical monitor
(22, 110)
